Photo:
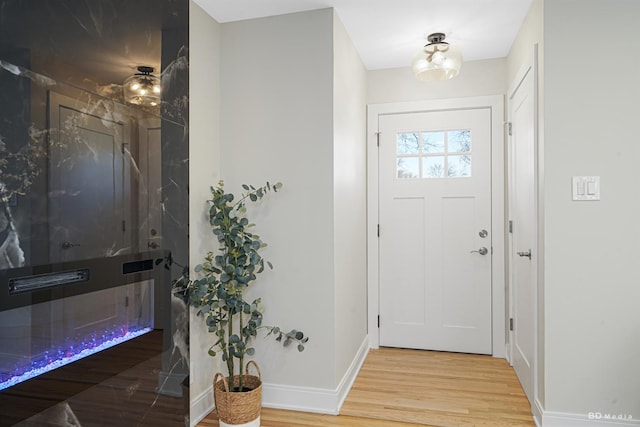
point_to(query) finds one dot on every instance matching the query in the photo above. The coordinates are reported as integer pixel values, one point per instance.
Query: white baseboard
(309, 399)
(537, 410)
(294, 398)
(352, 373)
(597, 419)
(201, 406)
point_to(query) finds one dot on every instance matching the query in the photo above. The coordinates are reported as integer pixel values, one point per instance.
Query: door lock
(481, 251)
(483, 233)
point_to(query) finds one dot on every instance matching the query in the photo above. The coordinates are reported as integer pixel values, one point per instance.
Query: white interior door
(89, 182)
(435, 230)
(522, 199)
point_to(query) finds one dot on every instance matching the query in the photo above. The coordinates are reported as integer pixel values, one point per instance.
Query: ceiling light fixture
(142, 88)
(437, 60)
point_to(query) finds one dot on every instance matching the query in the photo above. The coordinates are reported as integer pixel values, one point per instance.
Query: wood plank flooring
(411, 388)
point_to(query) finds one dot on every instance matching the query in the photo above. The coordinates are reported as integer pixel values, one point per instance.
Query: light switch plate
(586, 187)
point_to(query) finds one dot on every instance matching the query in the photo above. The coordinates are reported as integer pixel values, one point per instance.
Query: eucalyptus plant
(225, 275)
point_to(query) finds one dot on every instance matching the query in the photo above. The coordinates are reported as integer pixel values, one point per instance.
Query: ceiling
(388, 33)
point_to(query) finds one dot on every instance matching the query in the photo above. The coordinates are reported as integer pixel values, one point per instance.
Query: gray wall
(591, 280)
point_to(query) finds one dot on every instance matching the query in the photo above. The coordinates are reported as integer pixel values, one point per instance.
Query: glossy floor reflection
(116, 387)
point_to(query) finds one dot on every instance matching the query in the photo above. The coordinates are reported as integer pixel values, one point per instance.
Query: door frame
(495, 103)
(530, 65)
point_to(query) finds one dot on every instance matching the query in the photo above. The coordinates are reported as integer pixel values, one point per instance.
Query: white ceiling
(387, 33)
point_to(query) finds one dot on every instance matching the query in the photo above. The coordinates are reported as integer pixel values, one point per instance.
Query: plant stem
(229, 356)
(241, 354)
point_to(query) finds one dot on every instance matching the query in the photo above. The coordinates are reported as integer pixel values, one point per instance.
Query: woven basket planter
(239, 408)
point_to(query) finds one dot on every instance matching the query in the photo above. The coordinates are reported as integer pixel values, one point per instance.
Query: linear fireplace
(114, 301)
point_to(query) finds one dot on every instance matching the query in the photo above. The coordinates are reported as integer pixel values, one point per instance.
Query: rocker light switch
(586, 187)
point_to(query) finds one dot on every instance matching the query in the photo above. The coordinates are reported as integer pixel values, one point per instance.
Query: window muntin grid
(433, 154)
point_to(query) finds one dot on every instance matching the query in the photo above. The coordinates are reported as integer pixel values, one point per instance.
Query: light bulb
(135, 86)
(438, 58)
(156, 89)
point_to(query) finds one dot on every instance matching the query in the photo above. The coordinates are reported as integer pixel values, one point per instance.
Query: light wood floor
(411, 388)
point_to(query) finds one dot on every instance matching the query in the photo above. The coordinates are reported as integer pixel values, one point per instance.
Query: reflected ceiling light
(437, 60)
(142, 88)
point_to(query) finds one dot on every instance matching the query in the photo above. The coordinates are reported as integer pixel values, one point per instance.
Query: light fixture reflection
(142, 88)
(437, 60)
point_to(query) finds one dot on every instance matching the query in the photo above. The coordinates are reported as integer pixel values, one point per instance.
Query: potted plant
(219, 295)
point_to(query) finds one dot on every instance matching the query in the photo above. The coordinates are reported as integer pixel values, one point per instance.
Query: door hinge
(124, 226)
(378, 321)
(511, 226)
(378, 230)
(378, 139)
(126, 301)
(510, 128)
(511, 324)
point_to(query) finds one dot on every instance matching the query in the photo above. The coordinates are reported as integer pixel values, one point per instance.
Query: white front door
(435, 243)
(522, 197)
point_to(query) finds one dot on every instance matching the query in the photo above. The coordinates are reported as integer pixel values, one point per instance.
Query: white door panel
(523, 220)
(150, 183)
(89, 182)
(434, 201)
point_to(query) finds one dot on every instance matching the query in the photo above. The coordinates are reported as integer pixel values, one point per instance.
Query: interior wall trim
(537, 410)
(293, 398)
(318, 400)
(201, 405)
(595, 419)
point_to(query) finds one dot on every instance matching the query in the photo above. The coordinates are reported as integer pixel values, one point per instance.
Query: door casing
(496, 105)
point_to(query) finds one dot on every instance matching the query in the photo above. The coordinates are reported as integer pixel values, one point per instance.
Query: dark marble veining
(90, 183)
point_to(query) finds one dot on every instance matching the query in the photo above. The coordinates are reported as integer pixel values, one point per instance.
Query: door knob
(68, 245)
(482, 251)
(525, 254)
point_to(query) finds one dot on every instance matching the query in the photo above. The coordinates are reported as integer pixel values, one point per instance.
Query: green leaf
(245, 186)
(251, 351)
(300, 348)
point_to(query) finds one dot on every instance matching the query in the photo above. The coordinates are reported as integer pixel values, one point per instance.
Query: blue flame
(56, 358)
